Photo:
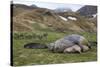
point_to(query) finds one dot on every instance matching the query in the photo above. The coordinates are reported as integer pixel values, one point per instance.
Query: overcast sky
(74, 7)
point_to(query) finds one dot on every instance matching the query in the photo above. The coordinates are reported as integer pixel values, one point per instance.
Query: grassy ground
(23, 56)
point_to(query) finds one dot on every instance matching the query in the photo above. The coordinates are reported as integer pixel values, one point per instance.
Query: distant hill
(20, 8)
(88, 10)
(34, 6)
(24, 6)
(58, 10)
(42, 19)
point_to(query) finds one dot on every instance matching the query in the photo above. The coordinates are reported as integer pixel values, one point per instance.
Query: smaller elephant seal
(76, 49)
(73, 49)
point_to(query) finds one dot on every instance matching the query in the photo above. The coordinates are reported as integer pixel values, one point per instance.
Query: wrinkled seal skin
(70, 43)
(78, 39)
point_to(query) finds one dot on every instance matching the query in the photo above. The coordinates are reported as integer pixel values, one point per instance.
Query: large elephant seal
(74, 41)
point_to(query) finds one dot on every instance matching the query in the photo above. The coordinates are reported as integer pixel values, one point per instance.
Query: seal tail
(35, 46)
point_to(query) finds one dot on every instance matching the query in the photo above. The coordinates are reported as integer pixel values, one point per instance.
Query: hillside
(28, 18)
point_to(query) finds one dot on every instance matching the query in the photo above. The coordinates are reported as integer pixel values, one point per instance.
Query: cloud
(48, 5)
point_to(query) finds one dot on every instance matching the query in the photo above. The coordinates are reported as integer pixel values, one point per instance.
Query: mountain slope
(39, 19)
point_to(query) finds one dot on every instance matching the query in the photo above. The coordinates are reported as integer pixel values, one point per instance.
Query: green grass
(23, 56)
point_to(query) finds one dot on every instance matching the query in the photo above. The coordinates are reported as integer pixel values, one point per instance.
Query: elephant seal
(70, 42)
(73, 49)
(76, 49)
